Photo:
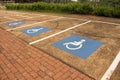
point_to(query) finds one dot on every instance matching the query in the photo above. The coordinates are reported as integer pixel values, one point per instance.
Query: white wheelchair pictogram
(77, 44)
(33, 30)
(13, 24)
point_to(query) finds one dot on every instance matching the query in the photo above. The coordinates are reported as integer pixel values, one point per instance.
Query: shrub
(107, 11)
(87, 8)
(103, 11)
(77, 8)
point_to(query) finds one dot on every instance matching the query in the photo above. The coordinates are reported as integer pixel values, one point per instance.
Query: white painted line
(23, 16)
(22, 19)
(34, 24)
(59, 32)
(33, 17)
(28, 17)
(78, 19)
(105, 22)
(21, 13)
(112, 68)
(97, 21)
(8, 21)
(11, 12)
(10, 18)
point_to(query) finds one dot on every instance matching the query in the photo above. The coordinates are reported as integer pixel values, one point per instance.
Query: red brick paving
(21, 61)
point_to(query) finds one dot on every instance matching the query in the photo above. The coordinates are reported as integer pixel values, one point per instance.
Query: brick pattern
(21, 61)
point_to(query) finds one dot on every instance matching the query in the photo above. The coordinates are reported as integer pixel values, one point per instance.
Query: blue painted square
(79, 46)
(35, 30)
(12, 24)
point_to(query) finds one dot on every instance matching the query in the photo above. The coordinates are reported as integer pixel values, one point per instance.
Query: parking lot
(92, 45)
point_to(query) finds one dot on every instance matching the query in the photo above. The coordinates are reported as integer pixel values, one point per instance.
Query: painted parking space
(2, 20)
(79, 46)
(12, 15)
(15, 16)
(27, 21)
(39, 18)
(94, 63)
(15, 23)
(36, 30)
(54, 25)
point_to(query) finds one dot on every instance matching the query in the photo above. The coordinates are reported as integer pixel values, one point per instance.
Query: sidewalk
(21, 61)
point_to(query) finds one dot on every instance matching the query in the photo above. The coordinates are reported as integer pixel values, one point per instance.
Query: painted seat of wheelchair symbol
(35, 30)
(12, 24)
(79, 46)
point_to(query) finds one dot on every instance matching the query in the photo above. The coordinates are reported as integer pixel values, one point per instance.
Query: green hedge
(76, 8)
(107, 11)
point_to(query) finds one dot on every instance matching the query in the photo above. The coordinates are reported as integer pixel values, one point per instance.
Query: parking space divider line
(23, 16)
(10, 18)
(105, 22)
(59, 32)
(34, 24)
(22, 19)
(111, 68)
(97, 21)
(30, 17)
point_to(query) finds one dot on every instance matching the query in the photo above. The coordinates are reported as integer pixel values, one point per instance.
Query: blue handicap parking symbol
(82, 47)
(35, 30)
(12, 24)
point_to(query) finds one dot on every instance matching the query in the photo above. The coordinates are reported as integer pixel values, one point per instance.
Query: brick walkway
(20, 61)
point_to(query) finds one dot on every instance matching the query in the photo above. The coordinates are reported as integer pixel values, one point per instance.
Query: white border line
(34, 23)
(59, 32)
(28, 17)
(21, 13)
(78, 19)
(10, 18)
(105, 22)
(97, 21)
(13, 12)
(111, 68)
(22, 16)
(21, 19)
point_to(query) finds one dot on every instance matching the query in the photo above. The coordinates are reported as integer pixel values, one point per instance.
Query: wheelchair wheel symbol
(78, 44)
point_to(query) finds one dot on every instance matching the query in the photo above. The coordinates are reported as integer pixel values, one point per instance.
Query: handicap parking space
(26, 22)
(2, 14)
(12, 24)
(39, 18)
(44, 29)
(88, 48)
(16, 16)
(63, 23)
(10, 18)
(2, 20)
(36, 30)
